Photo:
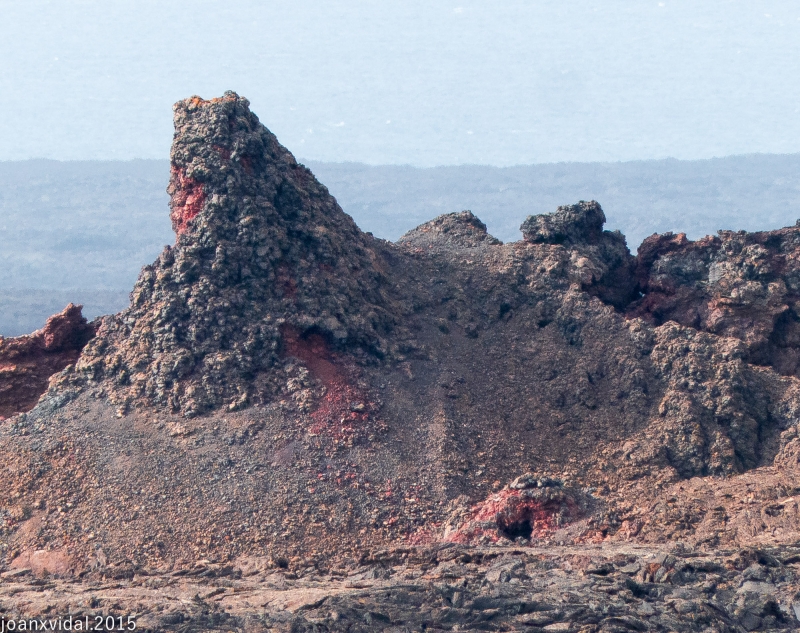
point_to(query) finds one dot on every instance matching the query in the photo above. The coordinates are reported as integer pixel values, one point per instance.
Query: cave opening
(514, 529)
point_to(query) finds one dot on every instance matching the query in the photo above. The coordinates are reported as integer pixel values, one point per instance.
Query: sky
(419, 82)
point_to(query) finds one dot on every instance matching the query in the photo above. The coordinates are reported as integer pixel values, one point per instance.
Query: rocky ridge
(28, 362)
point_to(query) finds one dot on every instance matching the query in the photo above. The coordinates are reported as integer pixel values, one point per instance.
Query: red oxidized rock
(186, 199)
(343, 410)
(736, 284)
(530, 508)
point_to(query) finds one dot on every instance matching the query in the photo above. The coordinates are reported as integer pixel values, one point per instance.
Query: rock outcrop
(261, 247)
(736, 284)
(602, 261)
(28, 362)
(458, 229)
(529, 509)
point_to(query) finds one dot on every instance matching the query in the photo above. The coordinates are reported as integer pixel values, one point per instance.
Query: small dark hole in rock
(516, 529)
(282, 563)
(638, 590)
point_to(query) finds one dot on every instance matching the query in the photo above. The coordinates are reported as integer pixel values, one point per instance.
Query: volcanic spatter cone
(263, 251)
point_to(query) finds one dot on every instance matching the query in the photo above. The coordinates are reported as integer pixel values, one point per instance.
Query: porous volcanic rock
(529, 508)
(261, 248)
(28, 362)
(718, 415)
(735, 284)
(462, 229)
(580, 223)
(603, 262)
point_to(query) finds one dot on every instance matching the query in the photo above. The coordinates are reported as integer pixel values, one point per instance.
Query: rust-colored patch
(187, 198)
(505, 510)
(247, 163)
(344, 408)
(286, 282)
(224, 152)
(43, 562)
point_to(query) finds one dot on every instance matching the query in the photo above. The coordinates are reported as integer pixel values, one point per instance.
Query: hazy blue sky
(420, 82)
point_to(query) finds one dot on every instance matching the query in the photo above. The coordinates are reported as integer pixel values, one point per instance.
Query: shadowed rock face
(605, 264)
(27, 362)
(736, 284)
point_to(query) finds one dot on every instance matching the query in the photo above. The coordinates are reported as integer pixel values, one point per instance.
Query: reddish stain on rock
(286, 282)
(335, 414)
(526, 510)
(666, 296)
(247, 164)
(28, 362)
(658, 245)
(187, 198)
(224, 152)
(343, 408)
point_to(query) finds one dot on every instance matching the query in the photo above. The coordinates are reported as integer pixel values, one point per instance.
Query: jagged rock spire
(261, 246)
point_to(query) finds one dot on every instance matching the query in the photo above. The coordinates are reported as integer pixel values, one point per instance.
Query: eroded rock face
(28, 362)
(718, 415)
